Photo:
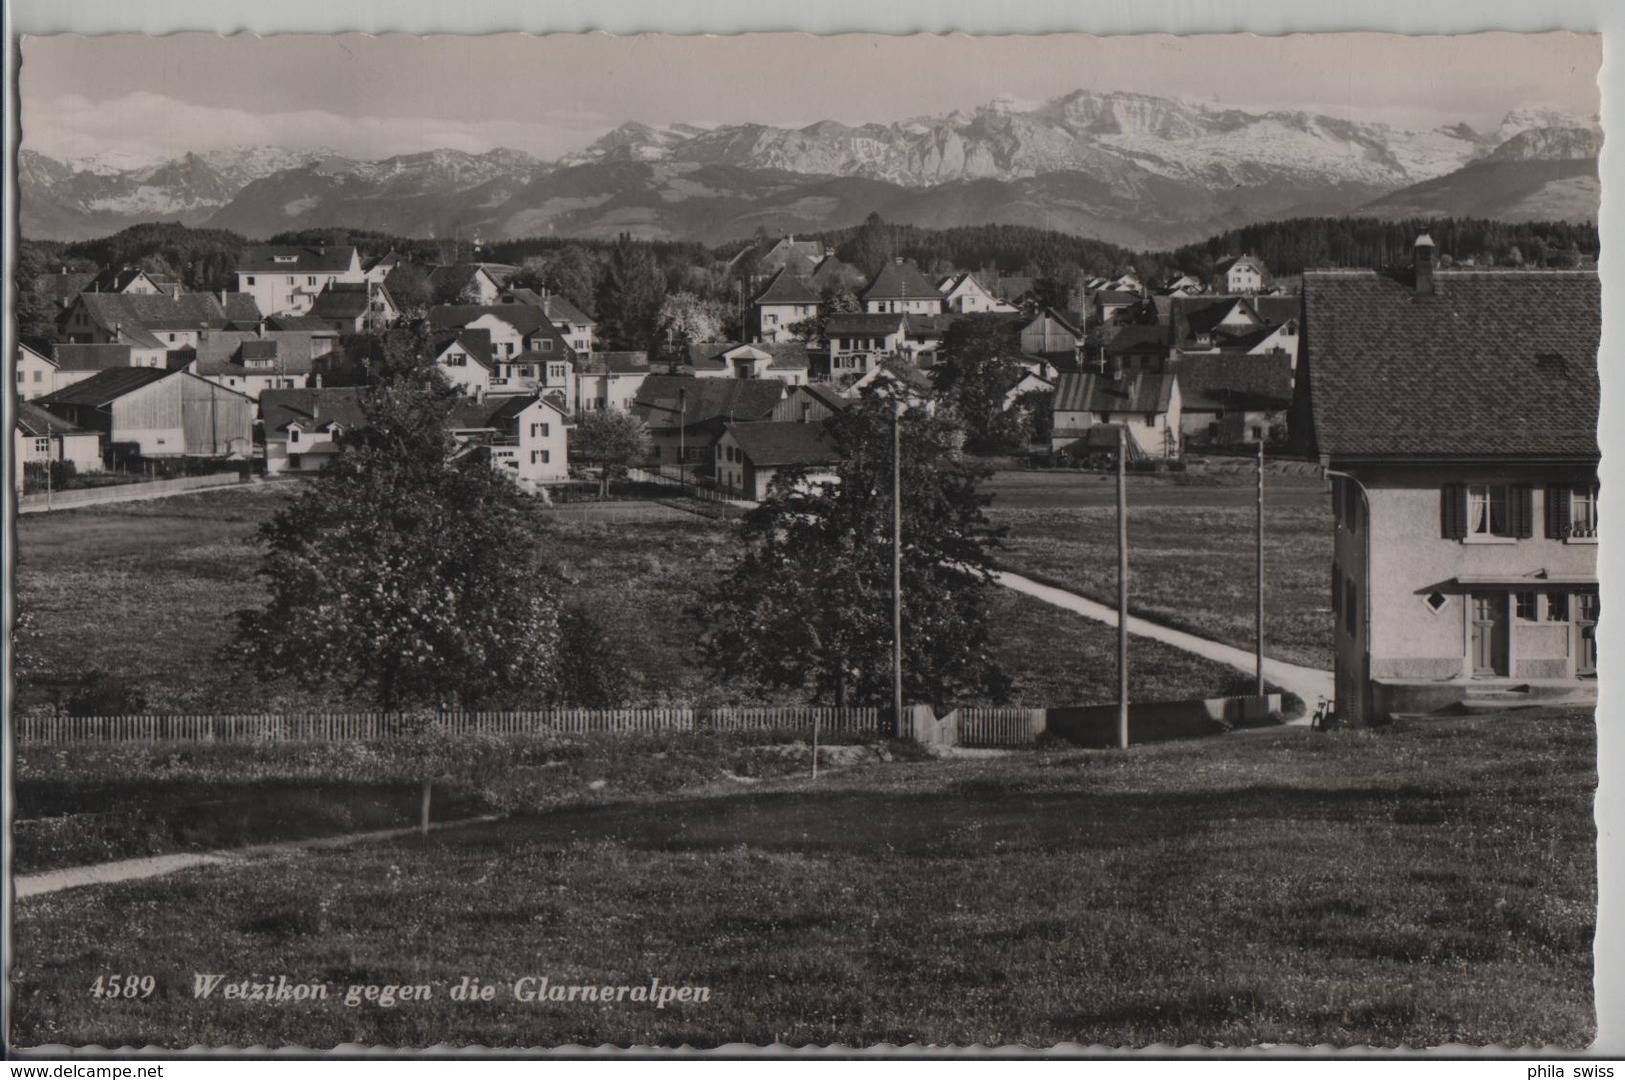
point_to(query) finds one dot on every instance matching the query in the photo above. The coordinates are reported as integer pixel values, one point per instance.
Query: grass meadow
(1432, 881)
(1191, 550)
(146, 592)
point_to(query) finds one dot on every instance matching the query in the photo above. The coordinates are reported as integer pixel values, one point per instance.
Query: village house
(35, 370)
(1050, 332)
(579, 330)
(1110, 305)
(75, 363)
(526, 437)
(800, 256)
(287, 279)
(786, 361)
(1233, 400)
(123, 279)
(463, 357)
(898, 379)
(301, 430)
(964, 294)
(609, 380)
(900, 288)
(859, 341)
(64, 287)
(1455, 413)
(785, 302)
(157, 413)
(1091, 407)
(528, 354)
(375, 271)
(809, 403)
(170, 320)
(1246, 326)
(353, 308)
(252, 363)
(831, 274)
(1240, 275)
(464, 283)
(41, 438)
(686, 415)
(749, 456)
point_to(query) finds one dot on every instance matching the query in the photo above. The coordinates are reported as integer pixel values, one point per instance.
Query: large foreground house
(1456, 415)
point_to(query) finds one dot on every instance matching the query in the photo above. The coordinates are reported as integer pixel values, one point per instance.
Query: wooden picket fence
(997, 726)
(362, 726)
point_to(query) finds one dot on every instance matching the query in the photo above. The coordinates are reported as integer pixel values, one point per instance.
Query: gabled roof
(1493, 364)
(315, 259)
(307, 323)
(313, 407)
(344, 300)
(63, 287)
(1139, 338)
(560, 310)
(39, 346)
(1218, 381)
(242, 310)
(227, 352)
(703, 400)
(457, 275)
(613, 363)
(35, 421)
(106, 386)
(525, 319)
(1224, 266)
(154, 311)
(770, 443)
(1191, 315)
(494, 413)
(72, 357)
(901, 280)
(785, 287)
(1068, 321)
(115, 279)
(476, 343)
(853, 322)
(783, 355)
(830, 270)
(923, 326)
(1136, 392)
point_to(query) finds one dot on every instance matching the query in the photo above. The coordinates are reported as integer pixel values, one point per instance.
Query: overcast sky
(375, 96)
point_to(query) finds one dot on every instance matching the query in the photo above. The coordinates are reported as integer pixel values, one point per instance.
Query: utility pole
(897, 566)
(1122, 587)
(1258, 614)
(682, 450)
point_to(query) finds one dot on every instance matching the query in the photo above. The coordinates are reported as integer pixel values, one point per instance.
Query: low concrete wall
(1154, 721)
(74, 498)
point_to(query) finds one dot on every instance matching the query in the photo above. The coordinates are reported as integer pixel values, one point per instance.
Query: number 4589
(123, 986)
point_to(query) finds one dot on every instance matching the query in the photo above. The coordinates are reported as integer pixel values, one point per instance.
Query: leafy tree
(32, 308)
(871, 247)
(974, 371)
(408, 286)
(629, 297)
(592, 671)
(404, 574)
(808, 602)
(686, 318)
(611, 439)
(572, 272)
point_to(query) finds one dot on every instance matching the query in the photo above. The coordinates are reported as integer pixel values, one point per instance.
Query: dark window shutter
(1523, 511)
(1337, 588)
(1453, 512)
(1557, 512)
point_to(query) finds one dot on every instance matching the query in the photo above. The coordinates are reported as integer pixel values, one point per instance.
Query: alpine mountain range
(1133, 169)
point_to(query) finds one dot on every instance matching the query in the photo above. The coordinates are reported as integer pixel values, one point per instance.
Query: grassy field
(146, 591)
(1191, 550)
(1429, 882)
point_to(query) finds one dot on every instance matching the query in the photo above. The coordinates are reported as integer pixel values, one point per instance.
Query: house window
(535, 457)
(293, 435)
(1436, 601)
(294, 460)
(547, 456)
(545, 345)
(310, 281)
(20, 377)
(1337, 588)
(1557, 607)
(1105, 418)
(171, 337)
(1150, 419)
(1487, 511)
(1526, 606)
(290, 281)
(1582, 511)
(43, 446)
(249, 280)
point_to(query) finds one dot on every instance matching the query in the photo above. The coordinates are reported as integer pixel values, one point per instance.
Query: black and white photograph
(526, 541)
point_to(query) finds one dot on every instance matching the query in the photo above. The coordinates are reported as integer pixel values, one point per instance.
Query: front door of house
(1489, 611)
(1585, 631)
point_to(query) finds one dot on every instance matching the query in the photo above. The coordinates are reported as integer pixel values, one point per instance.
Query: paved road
(50, 881)
(1310, 684)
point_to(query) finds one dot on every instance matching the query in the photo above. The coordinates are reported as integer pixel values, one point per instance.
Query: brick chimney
(1424, 253)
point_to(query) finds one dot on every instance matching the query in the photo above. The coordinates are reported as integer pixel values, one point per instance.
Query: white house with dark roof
(900, 288)
(168, 320)
(1091, 407)
(527, 436)
(966, 295)
(465, 283)
(750, 455)
(287, 279)
(40, 438)
(860, 340)
(35, 371)
(354, 307)
(785, 360)
(1240, 275)
(609, 380)
(1455, 413)
(463, 357)
(784, 302)
(301, 429)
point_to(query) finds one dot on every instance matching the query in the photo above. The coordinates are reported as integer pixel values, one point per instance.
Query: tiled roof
(105, 386)
(241, 309)
(155, 311)
(613, 363)
(705, 399)
(524, 319)
(63, 287)
(1139, 338)
(560, 310)
(225, 352)
(476, 343)
(34, 420)
(262, 258)
(785, 288)
(342, 300)
(1495, 363)
(1136, 392)
(786, 355)
(1190, 315)
(831, 270)
(771, 443)
(455, 275)
(344, 405)
(1067, 320)
(114, 279)
(1210, 382)
(71, 357)
(308, 323)
(852, 322)
(492, 413)
(900, 280)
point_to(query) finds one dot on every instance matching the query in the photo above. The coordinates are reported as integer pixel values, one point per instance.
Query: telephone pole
(897, 566)
(1258, 614)
(1122, 587)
